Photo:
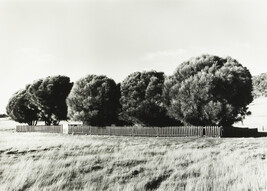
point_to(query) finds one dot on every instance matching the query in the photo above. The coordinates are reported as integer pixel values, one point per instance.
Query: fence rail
(179, 131)
(40, 128)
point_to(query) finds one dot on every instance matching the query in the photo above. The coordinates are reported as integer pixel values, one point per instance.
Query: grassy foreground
(33, 161)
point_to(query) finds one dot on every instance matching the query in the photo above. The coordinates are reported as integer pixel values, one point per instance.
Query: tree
(49, 95)
(142, 99)
(20, 108)
(260, 85)
(209, 90)
(94, 100)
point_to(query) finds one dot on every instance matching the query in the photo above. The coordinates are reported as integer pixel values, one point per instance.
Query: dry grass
(32, 161)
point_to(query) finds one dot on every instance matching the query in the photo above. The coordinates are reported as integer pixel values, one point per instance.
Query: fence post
(65, 128)
(132, 131)
(179, 131)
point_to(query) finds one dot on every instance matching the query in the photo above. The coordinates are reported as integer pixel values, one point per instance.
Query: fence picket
(180, 131)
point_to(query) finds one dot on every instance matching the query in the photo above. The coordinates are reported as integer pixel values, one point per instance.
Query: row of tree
(206, 90)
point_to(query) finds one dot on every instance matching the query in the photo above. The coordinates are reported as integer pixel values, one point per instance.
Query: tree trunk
(48, 123)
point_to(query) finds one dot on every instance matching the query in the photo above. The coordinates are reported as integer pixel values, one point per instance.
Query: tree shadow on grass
(242, 132)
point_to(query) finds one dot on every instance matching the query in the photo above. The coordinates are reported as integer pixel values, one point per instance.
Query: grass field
(34, 161)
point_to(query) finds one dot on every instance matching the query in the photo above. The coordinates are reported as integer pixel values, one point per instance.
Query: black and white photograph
(133, 95)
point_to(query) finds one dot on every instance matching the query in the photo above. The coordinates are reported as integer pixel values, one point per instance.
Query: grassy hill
(32, 161)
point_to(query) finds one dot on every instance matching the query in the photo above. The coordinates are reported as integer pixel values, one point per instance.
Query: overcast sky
(116, 38)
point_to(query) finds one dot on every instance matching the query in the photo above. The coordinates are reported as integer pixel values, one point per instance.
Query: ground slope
(33, 161)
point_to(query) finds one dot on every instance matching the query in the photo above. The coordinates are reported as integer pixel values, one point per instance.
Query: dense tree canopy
(142, 99)
(209, 90)
(49, 95)
(20, 109)
(94, 100)
(206, 90)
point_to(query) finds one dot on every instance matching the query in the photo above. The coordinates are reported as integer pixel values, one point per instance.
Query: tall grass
(32, 161)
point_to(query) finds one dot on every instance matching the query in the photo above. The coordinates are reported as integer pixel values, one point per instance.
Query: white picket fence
(179, 131)
(40, 128)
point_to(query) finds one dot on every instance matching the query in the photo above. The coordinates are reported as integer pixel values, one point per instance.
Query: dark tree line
(206, 90)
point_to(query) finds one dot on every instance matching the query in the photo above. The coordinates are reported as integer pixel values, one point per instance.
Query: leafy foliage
(94, 100)
(49, 95)
(20, 108)
(260, 85)
(209, 90)
(142, 99)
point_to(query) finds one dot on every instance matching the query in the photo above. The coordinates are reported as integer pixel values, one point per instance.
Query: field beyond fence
(179, 131)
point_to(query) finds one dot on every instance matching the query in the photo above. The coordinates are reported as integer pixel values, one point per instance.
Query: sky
(40, 38)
